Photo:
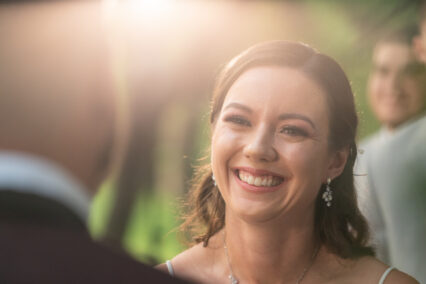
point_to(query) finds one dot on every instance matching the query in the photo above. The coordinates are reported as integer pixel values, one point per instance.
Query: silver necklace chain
(231, 276)
(234, 280)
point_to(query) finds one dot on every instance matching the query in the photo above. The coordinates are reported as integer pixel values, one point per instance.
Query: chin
(256, 211)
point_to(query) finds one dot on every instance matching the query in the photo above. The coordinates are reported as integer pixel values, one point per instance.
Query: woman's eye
(293, 131)
(238, 120)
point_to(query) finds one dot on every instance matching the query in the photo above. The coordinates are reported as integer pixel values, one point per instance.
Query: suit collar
(29, 174)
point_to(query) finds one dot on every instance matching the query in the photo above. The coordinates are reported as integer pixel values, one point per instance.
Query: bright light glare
(108, 7)
(153, 9)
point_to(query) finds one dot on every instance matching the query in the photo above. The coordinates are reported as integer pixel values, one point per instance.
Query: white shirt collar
(27, 173)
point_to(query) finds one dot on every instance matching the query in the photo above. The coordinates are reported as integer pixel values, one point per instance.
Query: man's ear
(337, 162)
(418, 49)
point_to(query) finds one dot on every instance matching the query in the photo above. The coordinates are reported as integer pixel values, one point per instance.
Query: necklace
(231, 276)
(234, 280)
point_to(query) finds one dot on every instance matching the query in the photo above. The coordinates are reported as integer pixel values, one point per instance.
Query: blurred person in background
(419, 41)
(277, 204)
(392, 181)
(57, 132)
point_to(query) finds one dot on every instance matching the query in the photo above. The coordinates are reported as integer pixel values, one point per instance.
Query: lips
(258, 178)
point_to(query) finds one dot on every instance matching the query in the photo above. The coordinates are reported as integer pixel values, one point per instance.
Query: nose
(260, 147)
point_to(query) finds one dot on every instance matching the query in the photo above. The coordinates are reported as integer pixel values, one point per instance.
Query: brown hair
(341, 227)
(422, 9)
(402, 35)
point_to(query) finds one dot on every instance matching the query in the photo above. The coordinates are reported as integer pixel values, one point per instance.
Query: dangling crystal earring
(328, 194)
(214, 180)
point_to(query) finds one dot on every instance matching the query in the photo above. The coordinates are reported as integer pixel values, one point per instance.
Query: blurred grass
(100, 210)
(150, 235)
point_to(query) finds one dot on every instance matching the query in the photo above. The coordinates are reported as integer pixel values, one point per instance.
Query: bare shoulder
(189, 260)
(371, 270)
(194, 264)
(162, 267)
(396, 276)
(366, 270)
(182, 264)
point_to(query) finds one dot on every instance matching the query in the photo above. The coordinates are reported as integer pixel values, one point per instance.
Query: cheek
(224, 146)
(374, 88)
(378, 89)
(307, 163)
(415, 96)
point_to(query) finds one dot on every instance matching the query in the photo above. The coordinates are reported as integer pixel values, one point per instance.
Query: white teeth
(249, 179)
(259, 180)
(269, 181)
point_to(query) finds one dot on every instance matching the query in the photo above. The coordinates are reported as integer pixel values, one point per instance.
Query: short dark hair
(422, 11)
(341, 227)
(403, 35)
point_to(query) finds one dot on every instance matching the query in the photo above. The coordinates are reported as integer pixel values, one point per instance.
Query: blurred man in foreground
(57, 124)
(393, 191)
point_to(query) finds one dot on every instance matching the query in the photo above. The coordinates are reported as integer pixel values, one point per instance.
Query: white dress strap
(170, 268)
(385, 274)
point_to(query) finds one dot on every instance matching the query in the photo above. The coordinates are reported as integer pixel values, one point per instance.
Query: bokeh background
(165, 57)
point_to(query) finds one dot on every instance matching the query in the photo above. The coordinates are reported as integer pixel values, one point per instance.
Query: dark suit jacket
(42, 241)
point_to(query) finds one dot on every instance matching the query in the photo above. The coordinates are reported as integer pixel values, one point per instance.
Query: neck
(269, 252)
(392, 127)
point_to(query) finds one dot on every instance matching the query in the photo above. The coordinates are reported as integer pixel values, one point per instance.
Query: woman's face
(270, 151)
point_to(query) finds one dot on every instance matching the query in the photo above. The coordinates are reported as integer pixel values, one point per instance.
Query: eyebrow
(239, 106)
(283, 116)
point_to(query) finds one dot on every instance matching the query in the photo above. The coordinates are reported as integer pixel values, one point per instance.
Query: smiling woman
(277, 203)
(278, 136)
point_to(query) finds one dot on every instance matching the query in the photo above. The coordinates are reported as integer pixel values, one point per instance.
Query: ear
(418, 49)
(337, 162)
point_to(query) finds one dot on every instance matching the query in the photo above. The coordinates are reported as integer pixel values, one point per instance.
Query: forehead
(276, 86)
(395, 55)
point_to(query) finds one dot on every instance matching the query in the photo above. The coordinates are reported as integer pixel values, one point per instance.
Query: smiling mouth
(258, 180)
